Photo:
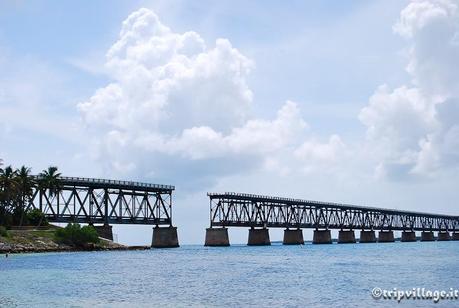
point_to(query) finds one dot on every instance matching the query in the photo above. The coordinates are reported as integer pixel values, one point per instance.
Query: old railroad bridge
(102, 203)
(262, 212)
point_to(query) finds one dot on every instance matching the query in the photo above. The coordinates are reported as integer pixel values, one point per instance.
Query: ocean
(278, 276)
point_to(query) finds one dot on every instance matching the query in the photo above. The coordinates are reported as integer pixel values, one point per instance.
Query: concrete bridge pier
(427, 236)
(443, 236)
(258, 237)
(346, 237)
(386, 236)
(104, 231)
(217, 237)
(164, 237)
(322, 237)
(455, 236)
(408, 236)
(293, 237)
(367, 236)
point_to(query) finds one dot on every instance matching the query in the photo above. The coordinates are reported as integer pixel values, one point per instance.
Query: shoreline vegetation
(24, 229)
(16, 190)
(43, 239)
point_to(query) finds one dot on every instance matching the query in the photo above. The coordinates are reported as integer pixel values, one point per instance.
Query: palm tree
(26, 184)
(1, 187)
(2, 197)
(8, 188)
(49, 179)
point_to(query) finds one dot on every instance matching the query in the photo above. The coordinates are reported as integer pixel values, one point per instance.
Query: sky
(354, 102)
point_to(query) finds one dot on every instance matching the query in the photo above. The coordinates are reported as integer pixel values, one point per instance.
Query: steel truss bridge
(86, 200)
(245, 210)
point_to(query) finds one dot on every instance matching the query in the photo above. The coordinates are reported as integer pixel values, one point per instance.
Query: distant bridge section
(259, 213)
(247, 210)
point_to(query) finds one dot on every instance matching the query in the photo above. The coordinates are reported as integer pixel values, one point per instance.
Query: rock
(88, 247)
(4, 248)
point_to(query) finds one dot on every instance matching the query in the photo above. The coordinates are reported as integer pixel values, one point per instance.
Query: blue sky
(349, 102)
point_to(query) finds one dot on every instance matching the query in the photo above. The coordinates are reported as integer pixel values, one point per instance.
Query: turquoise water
(289, 276)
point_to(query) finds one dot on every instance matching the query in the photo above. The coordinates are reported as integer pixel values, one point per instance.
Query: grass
(28, 237)
(34, 237)
(25, 237)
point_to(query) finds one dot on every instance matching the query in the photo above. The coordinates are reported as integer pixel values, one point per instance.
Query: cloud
(432, 28)
(180, 109)
(325, 153)
(168, 81)
(177, 108)
(411, 129)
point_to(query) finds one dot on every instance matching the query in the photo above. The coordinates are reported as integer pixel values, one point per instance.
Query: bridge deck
(248, 210)
(279, 201)
(88, 200)
(115, 184)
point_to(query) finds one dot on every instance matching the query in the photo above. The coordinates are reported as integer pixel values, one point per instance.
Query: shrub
(6, 219)
(3, 231)
(36, 217)
(75, 235)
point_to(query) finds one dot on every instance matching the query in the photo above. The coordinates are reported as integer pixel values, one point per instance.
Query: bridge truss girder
(241, 210)
(104, 205)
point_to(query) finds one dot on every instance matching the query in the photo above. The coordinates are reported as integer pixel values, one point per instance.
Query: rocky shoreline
(40, 241)
(15, 249)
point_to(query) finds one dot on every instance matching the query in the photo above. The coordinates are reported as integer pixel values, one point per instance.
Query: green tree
(49, 179)
(75, 235)
(4, 232)
(35, 217)
(2, 196)
(26, 184)
(16, 190)
(8, 194)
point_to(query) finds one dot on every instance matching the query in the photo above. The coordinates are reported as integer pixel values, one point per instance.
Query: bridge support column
(386, 237)
(258, 237)
(455, 236)
(346, 237)
(443, 236)
(322, 237)
(427, 236)
(104, 231)
(217, 237)
(293, 237)
(165, 237)
(367, 236)
(408, 236)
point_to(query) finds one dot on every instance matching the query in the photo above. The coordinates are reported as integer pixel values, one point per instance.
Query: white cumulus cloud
(413, 129)
(177, 107)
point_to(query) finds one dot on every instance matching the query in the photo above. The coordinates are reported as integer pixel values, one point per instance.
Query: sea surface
(276, 276)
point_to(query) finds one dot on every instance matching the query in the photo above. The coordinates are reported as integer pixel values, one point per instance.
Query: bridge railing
(235, 209)
(134, 184)
(87, 200)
